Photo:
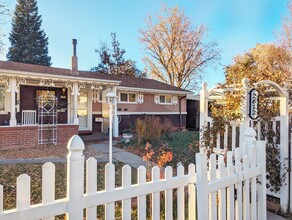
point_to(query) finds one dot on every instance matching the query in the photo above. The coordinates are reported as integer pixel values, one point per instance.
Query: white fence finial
(204, 85)
(249, 140)
(75, 146)
(75, 173)
(245, 81)
(249, 134)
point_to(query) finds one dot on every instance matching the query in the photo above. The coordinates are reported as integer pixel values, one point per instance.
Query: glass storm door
(82, 110)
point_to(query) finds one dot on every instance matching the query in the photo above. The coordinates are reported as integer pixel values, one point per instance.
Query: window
(128, 97)
(124, 97)
(2, 98)
(165, 99)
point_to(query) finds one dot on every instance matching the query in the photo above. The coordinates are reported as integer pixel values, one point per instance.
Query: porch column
(75, 99)
(12, 90)
(115, 117)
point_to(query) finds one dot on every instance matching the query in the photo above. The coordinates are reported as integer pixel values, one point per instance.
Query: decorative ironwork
(96, 87)
(71, 86)
(47, 119)
(47, 83)
(19, 81)
(6, 81)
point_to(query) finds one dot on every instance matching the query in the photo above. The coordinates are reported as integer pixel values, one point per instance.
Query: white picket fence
(213, 189)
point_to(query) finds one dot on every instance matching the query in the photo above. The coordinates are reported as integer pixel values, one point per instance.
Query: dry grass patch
(44, 151)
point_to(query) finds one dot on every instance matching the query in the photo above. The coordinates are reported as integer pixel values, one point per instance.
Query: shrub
(140, 126)
(153, 129)
(167, 127)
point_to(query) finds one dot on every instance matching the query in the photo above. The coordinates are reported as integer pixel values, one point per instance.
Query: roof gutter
(135, 89)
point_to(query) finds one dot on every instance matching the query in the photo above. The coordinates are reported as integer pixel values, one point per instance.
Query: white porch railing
(230, 190)
(28, 117)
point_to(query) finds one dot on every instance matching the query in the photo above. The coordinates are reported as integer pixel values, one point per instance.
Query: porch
(49, 110)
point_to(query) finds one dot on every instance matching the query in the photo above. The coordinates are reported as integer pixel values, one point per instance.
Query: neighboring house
(138, 97)
(40, 105)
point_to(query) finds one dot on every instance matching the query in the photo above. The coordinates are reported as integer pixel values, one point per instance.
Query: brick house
(40, 105)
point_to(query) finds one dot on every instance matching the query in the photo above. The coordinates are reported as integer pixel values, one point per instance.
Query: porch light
(63, 90)
(110, 100)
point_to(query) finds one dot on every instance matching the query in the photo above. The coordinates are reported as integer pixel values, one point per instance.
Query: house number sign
(253, 104)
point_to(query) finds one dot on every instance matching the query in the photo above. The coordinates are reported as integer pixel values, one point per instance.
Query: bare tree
(3, 11)
(175, 52)
(284, 40)
(284, 37)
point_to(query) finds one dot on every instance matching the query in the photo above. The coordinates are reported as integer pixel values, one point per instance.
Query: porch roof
(29, 70)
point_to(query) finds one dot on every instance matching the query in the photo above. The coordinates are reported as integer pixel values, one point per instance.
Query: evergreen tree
(29, 43)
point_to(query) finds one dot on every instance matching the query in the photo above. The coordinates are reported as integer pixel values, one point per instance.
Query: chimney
(74, 70)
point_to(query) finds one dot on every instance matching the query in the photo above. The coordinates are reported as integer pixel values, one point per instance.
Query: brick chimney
(74, 69)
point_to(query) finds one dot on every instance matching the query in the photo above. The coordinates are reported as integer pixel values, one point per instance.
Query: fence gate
(236, 129)
(47, 119)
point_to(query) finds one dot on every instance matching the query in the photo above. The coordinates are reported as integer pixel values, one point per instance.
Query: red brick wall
(21, 136)
(27, 136)
(65, 132)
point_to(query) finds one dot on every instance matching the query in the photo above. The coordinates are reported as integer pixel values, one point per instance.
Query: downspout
(179, 106)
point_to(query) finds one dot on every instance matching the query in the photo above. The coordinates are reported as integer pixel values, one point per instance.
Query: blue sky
(237, 25)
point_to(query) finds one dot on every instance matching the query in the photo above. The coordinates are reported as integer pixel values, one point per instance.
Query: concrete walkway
(272, 216)
(120, 155)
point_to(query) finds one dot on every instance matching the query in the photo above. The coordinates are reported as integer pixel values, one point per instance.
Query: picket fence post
(249, 140)
(202, 186)
(75, 178)
(262, 197)
(203, 108)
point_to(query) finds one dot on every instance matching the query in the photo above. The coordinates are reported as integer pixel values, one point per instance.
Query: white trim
(134, 89)
(96, 112)
(12, 73)
(151, 113)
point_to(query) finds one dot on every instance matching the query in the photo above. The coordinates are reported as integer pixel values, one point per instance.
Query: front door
(83, 110)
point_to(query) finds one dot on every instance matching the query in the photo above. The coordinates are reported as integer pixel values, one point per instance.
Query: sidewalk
(120, 155)
(272, 216)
